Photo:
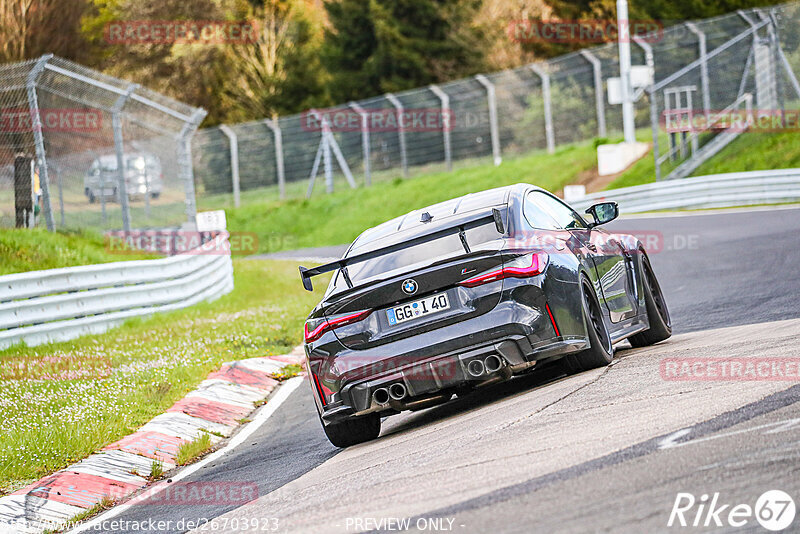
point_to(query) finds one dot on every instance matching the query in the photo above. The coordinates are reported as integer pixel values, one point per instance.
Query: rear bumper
(518, 331)
(424, 379)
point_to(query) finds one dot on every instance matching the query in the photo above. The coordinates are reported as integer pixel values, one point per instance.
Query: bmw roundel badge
(409, 287)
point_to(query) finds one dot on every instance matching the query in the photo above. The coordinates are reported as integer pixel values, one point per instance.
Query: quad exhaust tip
(492, 363)
(381, 396)
(397, 391)
(475, 367)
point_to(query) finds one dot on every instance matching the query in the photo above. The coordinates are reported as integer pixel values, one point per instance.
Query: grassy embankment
(63, 401)
(338, 218)
(30, 250)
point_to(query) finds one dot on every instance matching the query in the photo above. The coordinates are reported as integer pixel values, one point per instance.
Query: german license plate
(418, 308)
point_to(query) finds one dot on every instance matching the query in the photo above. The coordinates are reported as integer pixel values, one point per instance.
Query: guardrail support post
(599, 104)
(362, 113)
(233, 143)
(38, 138)
(444, 100)
(185, 169)
(278, 136)
(701, 43)
(491, 98)
(548, 112)
(119, 150)
(401, 131)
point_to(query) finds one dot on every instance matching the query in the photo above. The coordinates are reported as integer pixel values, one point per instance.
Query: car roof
(440, 213)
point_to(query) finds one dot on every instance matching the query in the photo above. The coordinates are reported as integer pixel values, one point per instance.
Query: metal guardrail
(712, 191)
(60, 304)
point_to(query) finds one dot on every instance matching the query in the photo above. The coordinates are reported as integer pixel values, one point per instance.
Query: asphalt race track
(605, 450)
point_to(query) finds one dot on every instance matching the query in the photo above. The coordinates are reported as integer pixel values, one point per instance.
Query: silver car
(142, 176)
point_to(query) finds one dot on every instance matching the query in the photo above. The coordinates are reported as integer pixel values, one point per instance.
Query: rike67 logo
(774, 510)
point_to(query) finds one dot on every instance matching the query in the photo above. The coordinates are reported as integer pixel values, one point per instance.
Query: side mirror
(603, 212)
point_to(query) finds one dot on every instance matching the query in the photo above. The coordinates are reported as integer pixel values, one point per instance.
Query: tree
(281, 72)
(377, 46)
(30, 28)
(186, 72)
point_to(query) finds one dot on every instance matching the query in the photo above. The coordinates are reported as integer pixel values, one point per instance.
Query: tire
(600, 351)
(353, 431)
(657, 311)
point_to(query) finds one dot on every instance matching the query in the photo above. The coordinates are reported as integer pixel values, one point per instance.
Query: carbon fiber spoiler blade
(494, 217)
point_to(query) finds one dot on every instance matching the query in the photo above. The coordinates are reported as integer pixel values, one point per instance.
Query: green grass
(339, 217)
(63, 401)
(188, 452)
(756, 152)
(156, 470)
(23, 249)
(750, 151)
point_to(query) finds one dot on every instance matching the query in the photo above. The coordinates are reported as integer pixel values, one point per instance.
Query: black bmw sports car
(470, 292)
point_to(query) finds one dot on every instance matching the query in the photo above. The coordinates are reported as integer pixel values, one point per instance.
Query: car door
(607, 255)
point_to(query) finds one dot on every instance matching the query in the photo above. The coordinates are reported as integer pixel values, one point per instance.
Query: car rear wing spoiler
(492, 217)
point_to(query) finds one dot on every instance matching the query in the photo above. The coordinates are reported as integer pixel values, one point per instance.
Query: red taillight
(524, 267)
(317, 330)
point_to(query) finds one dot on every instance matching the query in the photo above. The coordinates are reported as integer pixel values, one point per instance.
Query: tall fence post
(364, 141)
(772, 31)
(491, 98)
(233, 144)
(119, 150)
(185, 170)
(38, 138)
(444, 101)
(763, 70)
(401, 131)
(654, 127)
(785, 62)
(60, 195)
(278, 136)
(701, 43)
(548, 113)
(599, 103)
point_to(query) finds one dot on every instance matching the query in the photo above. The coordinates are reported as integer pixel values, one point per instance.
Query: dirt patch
(593, 181)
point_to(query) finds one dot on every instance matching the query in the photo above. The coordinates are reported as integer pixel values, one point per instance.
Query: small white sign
(641, 76)
(210, 221)
(574, 192)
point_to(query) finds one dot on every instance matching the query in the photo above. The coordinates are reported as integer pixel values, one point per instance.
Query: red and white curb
(117, 471)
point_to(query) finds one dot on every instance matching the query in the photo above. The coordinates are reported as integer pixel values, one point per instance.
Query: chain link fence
(102, 153)
(108, 154)
(503, 114)
(743, 79)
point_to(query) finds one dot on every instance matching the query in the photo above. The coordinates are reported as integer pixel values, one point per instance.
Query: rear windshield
(412, 258)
